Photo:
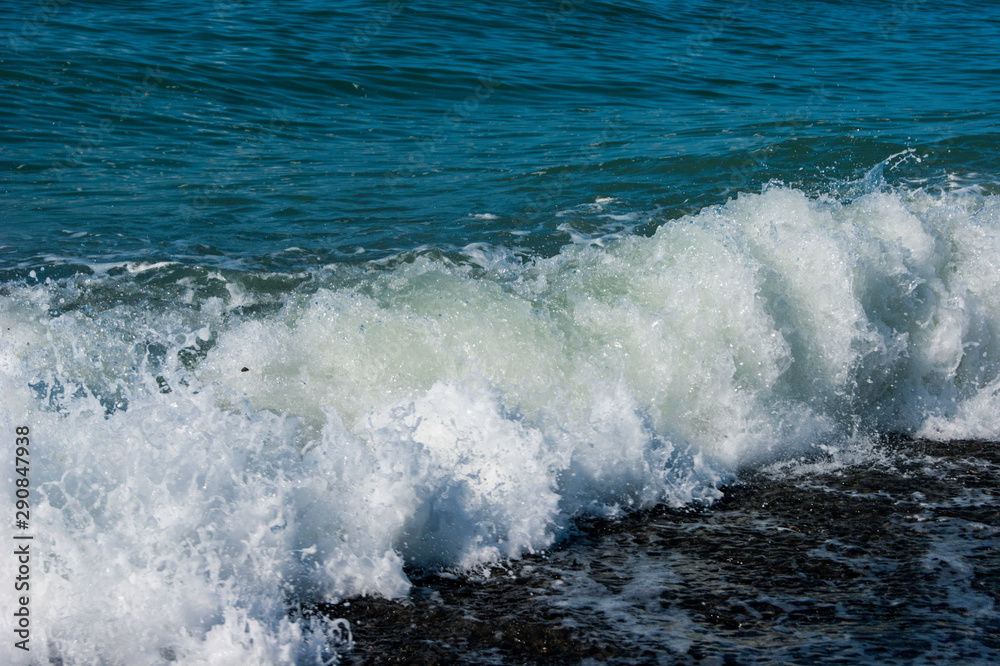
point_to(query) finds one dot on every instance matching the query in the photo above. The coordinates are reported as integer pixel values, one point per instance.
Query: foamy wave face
(174, 524)
(201, 466)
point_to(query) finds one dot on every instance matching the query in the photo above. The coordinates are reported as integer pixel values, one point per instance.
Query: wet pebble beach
(890, 562)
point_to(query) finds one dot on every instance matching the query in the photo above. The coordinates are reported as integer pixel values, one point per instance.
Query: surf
(220, 447)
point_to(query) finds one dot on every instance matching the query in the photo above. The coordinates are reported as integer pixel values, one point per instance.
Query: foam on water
(212, 449)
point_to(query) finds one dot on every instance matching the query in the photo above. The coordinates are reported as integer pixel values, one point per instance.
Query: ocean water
(525, 332)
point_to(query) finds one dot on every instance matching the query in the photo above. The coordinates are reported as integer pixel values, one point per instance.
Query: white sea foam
(197, 471)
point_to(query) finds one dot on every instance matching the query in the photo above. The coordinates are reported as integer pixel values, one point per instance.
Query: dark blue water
(244, 128)
(311, 304)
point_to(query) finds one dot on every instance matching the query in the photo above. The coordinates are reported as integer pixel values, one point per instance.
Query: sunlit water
(519, 332)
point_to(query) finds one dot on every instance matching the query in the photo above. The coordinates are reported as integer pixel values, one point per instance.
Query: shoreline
(814, 568)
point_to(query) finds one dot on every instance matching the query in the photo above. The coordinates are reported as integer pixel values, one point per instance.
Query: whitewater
(217, 450)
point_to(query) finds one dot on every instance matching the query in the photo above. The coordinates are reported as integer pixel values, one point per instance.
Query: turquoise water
(301, 301)
(241, 129)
